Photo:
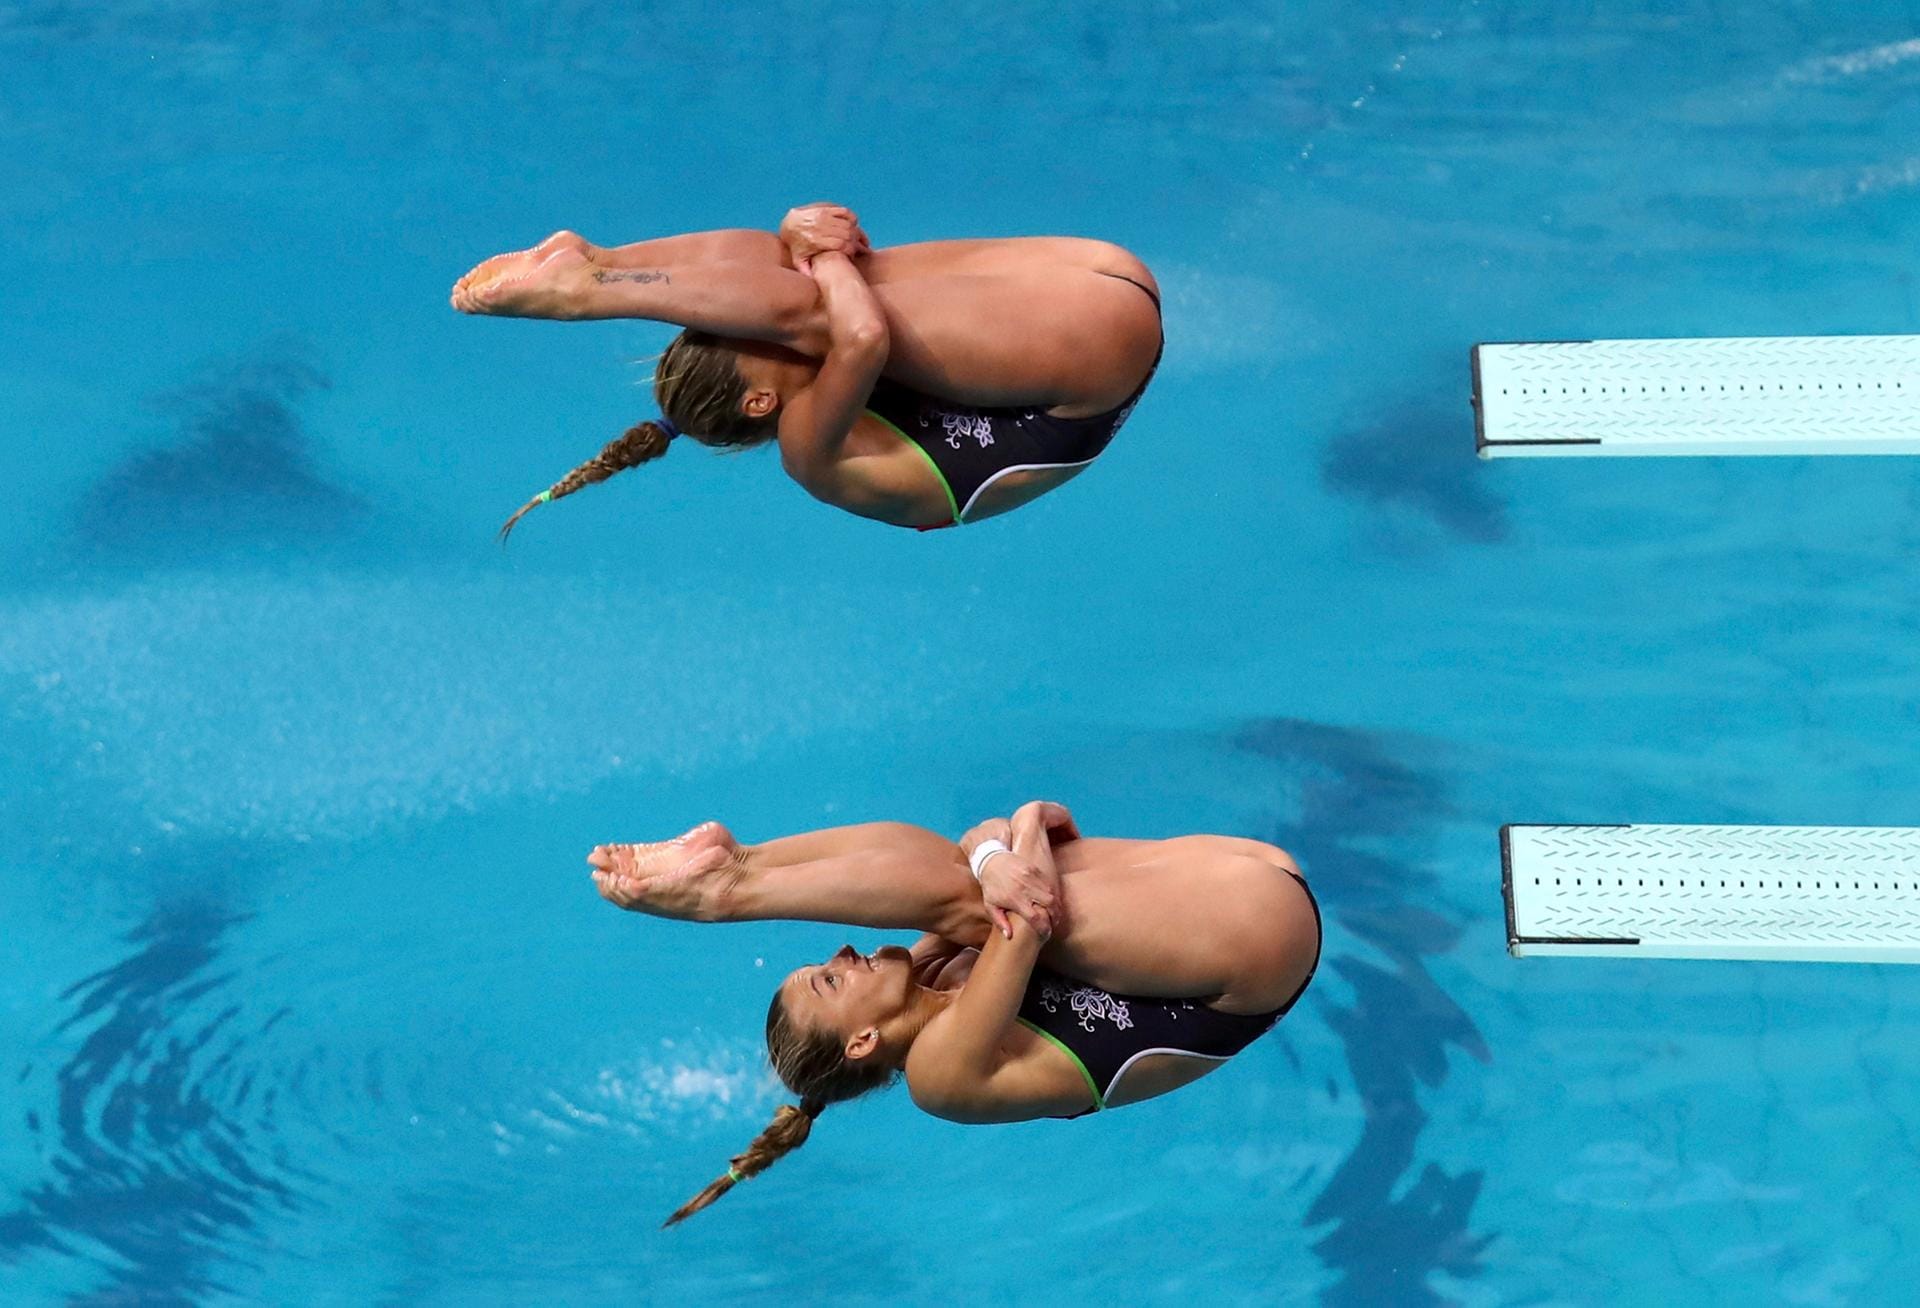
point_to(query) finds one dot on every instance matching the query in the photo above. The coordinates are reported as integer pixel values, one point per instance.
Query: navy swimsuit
(970, 447)
(1105, 1034)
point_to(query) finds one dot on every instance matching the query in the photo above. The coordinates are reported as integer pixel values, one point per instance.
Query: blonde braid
(640, 444)
(699, 389)
(813, 1064)
(789, 1130)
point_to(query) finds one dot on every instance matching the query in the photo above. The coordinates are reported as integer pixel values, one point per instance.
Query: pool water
(305, 996)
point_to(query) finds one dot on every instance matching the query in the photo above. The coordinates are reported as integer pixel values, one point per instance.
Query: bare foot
(488, 269)
(686, 877)
(512, 267)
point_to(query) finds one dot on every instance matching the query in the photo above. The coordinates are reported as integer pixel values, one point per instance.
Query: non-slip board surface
(1752, 892)
(1724, 395)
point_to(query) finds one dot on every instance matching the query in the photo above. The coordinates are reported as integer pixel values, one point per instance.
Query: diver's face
(851, 994)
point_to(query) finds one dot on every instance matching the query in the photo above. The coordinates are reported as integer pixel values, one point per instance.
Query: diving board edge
(1697, 396)
(1489, 449)
(1519, 946)
(1760, 893)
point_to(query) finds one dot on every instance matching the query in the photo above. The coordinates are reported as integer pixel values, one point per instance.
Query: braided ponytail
(813, 1064)
(788, 1131)
(640, 444)
(699, 389)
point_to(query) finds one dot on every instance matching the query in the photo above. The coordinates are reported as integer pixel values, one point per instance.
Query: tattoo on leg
(641, 275)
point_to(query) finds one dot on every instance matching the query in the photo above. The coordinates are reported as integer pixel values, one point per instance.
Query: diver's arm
(961, 1070)
(814, 424)
(1053, 818)
(1011, 884)
(964, 1074)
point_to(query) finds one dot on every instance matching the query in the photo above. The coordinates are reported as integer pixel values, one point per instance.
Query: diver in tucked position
(1076, 975)
(922, 385)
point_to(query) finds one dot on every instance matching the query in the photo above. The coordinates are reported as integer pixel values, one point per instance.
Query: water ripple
(149, 1163)
(1392, 1230)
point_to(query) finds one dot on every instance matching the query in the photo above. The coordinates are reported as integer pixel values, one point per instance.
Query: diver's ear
(759, 402)
(863, 1044)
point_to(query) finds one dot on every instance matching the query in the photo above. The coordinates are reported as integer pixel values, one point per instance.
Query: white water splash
(729, 1082)
(1829, 68)
(1876, 179)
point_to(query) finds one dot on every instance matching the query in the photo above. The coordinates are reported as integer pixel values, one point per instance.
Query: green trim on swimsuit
(953, 505)
(1099, 1103)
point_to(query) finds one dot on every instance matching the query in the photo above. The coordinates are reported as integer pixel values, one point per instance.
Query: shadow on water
(238, 475)
(1391, 1229)
(152, 1174)
(1410, 462)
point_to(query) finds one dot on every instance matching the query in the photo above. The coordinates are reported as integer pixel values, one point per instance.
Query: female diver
(1077, 975)
(922, 385)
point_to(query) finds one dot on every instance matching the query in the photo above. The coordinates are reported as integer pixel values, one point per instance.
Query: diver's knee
(800, 322)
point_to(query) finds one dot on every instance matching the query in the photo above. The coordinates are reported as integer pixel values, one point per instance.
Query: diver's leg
(750, 299)
(1042, 331)
(725, 245)
(876, 874)
(901, 838)
(983, 256)
(1049, 321)
(1194, 916)
(1001, 256)
(515, 261)
(1045, 337)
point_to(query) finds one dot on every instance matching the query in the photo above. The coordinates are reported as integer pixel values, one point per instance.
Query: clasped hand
(1024, 880)
(816, 229)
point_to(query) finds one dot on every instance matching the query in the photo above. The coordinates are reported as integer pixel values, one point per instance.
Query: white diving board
(1831, 894)
(1727, 395)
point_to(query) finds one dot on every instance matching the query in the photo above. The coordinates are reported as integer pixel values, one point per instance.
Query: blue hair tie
(666, 424)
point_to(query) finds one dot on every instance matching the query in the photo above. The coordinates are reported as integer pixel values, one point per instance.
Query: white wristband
(983, 851)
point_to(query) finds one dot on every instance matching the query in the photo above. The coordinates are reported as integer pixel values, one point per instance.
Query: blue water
(304, 996)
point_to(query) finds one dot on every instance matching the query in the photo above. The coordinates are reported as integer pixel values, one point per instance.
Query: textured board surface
(1846, 894)
(1728, 395)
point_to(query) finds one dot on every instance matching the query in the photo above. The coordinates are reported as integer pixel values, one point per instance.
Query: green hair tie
(543, 497)
(733, 1174)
